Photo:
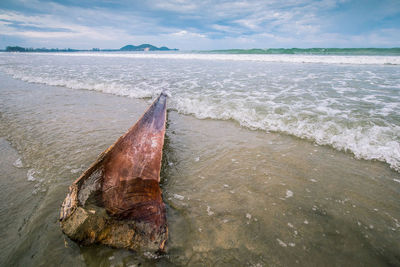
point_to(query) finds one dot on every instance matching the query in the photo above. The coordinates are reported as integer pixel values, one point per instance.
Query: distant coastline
(142, 47)
(394, 51)
(311, 51)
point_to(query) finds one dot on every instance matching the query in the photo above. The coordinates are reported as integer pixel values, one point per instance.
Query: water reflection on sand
(234, 196)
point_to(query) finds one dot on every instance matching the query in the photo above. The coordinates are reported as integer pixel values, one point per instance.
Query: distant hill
(142, 47)
(145, 47)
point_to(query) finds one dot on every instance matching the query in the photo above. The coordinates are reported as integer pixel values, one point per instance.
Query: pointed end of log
(117, 201)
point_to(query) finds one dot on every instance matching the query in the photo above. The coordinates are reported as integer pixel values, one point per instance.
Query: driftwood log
(117, 201)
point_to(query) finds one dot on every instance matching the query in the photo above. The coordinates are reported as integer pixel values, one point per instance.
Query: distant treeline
(23, 49)
(313, 51)
(143, 47)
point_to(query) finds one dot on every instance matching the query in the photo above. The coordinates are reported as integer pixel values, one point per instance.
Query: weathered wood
(117, 201)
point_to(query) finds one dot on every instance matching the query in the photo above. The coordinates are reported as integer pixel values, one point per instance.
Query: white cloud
(184, 33)
(226, 29)
(190, 24)
(253, 24)
(176, 5)
(58, 29)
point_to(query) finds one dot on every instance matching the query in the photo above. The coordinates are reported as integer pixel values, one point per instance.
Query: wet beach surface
(234, 196)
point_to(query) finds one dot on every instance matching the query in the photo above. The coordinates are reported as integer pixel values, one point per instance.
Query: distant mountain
(145, 47)
(142, 47)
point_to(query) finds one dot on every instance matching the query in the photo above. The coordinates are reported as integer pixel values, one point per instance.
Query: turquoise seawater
(314, 51)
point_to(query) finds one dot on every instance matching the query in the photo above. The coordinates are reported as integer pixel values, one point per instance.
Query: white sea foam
(30, 175)
(352, 108)
(281, 243)
(209, 212)
(178, 197)
(289, 193)
(18, 163)
(327, 59)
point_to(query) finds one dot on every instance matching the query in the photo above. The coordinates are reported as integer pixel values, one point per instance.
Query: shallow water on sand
(350, 105)
(234, 196)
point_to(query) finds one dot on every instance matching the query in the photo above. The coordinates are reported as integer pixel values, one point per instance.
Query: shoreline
(146, 96)
(248, 196)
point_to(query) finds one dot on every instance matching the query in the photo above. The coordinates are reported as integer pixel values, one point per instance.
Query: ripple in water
(348, 102)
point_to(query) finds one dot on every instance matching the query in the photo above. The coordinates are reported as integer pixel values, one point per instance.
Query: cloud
(180, 6)
(190, 24)
(16, 24)
(185, 33)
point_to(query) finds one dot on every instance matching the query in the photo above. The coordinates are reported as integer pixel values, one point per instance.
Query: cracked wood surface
(125, 177)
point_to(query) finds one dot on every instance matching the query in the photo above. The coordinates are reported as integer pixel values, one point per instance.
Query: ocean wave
(105, 86)
(350, 108)
(374, 143)
(282, 58)
(314, 51)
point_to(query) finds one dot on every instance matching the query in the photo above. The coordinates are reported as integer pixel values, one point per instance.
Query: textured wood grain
(126, 176)
(132, 170)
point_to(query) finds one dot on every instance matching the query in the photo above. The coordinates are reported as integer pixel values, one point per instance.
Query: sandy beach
(235, 195)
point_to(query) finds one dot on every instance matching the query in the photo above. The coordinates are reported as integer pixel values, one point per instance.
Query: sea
(273, 157)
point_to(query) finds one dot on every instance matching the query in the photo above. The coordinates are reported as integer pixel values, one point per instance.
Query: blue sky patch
(200, 25)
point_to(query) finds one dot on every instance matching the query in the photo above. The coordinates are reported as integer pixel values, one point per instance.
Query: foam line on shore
(326, 59)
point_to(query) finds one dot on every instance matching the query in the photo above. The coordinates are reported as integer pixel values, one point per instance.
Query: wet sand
(234, 196)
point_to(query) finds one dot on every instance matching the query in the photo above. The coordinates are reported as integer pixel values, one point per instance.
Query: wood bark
(118, 200)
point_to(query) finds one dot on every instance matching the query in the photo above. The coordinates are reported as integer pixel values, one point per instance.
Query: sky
(200, 25)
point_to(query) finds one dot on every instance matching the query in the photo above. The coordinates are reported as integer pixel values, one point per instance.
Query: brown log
(117, 201)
